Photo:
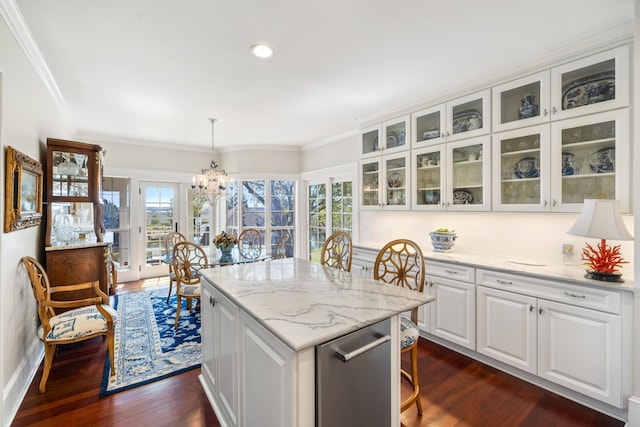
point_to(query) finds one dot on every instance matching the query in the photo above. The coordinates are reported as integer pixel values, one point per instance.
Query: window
(317, 220)
(267, 205)
(116, 217)
(325, 219)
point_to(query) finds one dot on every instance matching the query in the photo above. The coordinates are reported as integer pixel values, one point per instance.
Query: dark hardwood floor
(456, 391)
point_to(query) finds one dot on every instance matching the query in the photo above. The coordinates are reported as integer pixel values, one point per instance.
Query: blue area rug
(147, 347)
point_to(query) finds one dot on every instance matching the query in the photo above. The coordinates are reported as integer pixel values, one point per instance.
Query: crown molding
(18, 27)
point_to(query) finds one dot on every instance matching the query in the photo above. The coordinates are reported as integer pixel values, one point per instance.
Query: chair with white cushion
(83, 319)
(170, 241)
(401, 263)
(188, 259)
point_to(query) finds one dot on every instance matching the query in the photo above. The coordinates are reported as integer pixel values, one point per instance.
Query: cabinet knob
(530, 307)
(545, 112)
(212, 301)
(545, 203)
(554, 110)
(540, 310)
(554, 203)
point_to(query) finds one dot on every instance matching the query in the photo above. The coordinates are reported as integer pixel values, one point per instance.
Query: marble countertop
(304, 304)
(88, 243)
(573, 274)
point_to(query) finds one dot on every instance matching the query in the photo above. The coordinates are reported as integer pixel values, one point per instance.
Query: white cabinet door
(453, 314)
(226, 353)
(429, 178)
(522, 169)
(597, 83)
(265, 360)
(428, 126)
(370, 141)
(469, 116)
(507, 327)
(581, 349)
(396, 134)
(522, 102)
(590, 159)
(396, 181)
(207, 328)
(468, 186)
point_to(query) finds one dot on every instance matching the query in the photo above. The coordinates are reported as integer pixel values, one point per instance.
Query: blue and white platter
(527, 167)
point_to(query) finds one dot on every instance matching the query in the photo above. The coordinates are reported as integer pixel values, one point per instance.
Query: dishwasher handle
(345, 357)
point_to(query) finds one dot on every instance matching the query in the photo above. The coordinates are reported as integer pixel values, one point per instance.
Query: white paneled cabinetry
(238, 357)
(569, 335)
(452, 315)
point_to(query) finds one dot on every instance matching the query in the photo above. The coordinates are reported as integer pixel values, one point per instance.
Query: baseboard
(634, 412)
(18, 385)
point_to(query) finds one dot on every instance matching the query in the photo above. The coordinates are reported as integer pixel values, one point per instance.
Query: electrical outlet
(567, 248)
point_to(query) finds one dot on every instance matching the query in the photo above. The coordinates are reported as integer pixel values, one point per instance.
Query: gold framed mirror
(23, 191)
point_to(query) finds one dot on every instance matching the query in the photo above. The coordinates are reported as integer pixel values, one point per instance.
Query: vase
(225, 255)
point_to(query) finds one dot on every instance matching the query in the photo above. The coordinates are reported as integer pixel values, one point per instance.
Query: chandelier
(211, 182)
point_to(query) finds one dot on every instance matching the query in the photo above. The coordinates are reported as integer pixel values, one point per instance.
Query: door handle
(345, 357)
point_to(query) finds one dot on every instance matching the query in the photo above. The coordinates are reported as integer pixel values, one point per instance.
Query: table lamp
(601, 219)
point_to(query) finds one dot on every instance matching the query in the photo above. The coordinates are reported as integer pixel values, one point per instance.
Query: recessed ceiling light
(262, 50)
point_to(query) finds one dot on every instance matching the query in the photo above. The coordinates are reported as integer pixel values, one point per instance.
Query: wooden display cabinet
(74, 247)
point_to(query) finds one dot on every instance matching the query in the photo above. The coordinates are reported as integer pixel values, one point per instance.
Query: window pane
(253, 204)
(116, 196)
(232, 204)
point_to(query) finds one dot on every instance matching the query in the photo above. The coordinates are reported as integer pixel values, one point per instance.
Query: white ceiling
(155, 70)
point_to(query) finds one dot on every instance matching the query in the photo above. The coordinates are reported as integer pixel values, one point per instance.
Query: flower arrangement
(605, 259)
(225, 241)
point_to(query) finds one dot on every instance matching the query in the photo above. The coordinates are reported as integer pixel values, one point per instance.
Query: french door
(159, 202)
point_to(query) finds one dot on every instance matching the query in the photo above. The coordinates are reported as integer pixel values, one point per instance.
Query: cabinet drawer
(364, 255)
(582, 296)
(463, 273)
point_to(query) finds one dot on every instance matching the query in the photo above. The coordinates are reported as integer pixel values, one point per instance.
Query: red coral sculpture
(604, 259)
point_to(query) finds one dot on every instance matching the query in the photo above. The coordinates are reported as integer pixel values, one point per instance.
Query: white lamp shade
(601, 219)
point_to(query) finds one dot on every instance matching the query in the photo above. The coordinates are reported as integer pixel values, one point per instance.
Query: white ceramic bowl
(442, 241)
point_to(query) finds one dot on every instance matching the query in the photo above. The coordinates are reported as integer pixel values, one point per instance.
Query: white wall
(27, 117)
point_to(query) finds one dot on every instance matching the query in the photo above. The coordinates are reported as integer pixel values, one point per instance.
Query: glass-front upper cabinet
(428, 126)
(469, 116)
(370, 141)
(522, 102)
(385, 138)
(397, 179)
(385, 182)
(396, 135)
(428, 178)
(593, 84)
(370, 177)
(74, 212)
(521, 171)
(591, 160)
(469, 175)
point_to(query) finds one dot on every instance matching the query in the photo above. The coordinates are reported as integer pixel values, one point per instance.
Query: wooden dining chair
(83, 319)
(188, 259)
(250, 243)
(401, 263)
(336, 251)
(170, 241)
(280, 250)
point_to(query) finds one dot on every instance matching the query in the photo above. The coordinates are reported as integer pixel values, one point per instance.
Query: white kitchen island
(261, 323)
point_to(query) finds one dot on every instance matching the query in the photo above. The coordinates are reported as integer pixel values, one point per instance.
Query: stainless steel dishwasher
(353, 384)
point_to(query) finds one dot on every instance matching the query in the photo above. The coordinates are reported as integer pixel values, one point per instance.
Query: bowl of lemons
(443, 239)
